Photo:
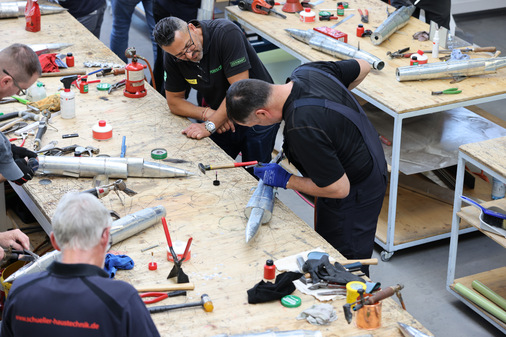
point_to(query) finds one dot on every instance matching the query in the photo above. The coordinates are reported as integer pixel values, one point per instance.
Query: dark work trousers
(349, 224)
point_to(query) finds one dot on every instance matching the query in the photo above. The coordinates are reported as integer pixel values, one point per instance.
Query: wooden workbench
(407, 218)
(222, 264)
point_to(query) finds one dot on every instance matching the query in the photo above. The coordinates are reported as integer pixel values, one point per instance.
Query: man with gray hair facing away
(75, 297)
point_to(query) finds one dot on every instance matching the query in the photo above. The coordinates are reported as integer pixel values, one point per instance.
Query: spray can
(435, 44)
(307, 15)
(70, 60)
(269, 270)
(67, 98)
(32, 16)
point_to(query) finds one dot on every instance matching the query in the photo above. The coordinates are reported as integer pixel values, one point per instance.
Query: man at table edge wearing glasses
(209, 56)
(19, 69)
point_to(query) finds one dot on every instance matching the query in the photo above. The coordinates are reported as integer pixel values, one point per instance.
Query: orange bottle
(32, 16)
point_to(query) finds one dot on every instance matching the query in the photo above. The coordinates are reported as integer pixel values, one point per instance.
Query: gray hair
(166, 28)
(79, 221)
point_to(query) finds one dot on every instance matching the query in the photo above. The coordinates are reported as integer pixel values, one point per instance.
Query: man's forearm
(337, 190)
(181, 107)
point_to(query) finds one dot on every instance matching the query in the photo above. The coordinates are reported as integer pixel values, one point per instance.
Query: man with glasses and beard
(209, 56)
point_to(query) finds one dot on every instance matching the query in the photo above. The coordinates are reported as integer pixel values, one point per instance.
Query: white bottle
(36, 92)
(435, 44)
(67, 104)
(67, 98)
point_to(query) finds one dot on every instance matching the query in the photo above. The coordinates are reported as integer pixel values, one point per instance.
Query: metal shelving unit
(489, 156)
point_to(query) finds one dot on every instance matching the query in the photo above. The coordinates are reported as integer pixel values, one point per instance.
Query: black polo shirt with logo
(226, 52)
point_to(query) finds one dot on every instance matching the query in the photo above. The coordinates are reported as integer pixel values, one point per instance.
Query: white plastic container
(435, 45)
(67, 104)
(36, 92)
(307, 15)
(102, 131)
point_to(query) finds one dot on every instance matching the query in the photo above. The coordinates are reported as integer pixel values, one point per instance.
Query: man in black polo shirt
(76, 297)
(208, 56)
(328, 137)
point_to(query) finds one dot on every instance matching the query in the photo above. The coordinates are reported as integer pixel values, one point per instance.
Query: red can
(269, 270)
(360, 30)
(70, 60)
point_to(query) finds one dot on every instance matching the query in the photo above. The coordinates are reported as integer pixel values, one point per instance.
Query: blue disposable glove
(272, 175)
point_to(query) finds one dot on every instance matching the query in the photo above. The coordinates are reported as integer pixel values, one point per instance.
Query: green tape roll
(158, 153)
(489, 293)
(481, 302)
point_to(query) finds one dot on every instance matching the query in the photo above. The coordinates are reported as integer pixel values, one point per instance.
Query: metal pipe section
(16, 9)
(458, 68)
(334, 47)
(394, 22)
(45, 48)
(36, 266)
(113, 167)
(134, 223)
(259, 208)
(9, 10)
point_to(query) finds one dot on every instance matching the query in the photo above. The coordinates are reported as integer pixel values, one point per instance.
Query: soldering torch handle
(382, 294)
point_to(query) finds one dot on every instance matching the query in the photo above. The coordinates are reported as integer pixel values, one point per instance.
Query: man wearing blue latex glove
(272, 175)
(329, 139)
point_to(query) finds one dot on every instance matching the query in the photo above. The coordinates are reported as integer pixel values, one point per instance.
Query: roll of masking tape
(352, 291)
(158, 153)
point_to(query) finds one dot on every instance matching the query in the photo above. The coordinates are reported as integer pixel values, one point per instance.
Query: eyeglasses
(188, 48)
(15, 82)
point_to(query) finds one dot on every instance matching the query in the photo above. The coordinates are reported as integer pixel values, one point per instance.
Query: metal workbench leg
(394, 182)
(454, 237)
(32, 207)
(3, 210)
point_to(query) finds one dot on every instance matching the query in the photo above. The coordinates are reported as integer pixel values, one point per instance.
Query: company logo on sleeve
(215, 70)
(238, 61)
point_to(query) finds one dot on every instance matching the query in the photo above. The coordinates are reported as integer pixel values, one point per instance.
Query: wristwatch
(210, 127)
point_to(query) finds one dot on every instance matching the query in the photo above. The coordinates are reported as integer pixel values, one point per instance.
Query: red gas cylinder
(134, 86)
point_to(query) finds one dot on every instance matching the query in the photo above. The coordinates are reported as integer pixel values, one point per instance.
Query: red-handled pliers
(159, 296)
(364, 18)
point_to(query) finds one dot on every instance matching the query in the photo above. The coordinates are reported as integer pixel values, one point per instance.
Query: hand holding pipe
(203, 168)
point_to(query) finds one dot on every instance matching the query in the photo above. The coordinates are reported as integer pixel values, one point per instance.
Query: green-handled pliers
(447, 91)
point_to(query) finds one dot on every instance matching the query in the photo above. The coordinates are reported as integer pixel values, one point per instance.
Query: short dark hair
(166, 28)
(246, 96)
(20, 61)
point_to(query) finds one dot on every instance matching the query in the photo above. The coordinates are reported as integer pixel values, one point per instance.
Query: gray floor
(422, 269)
